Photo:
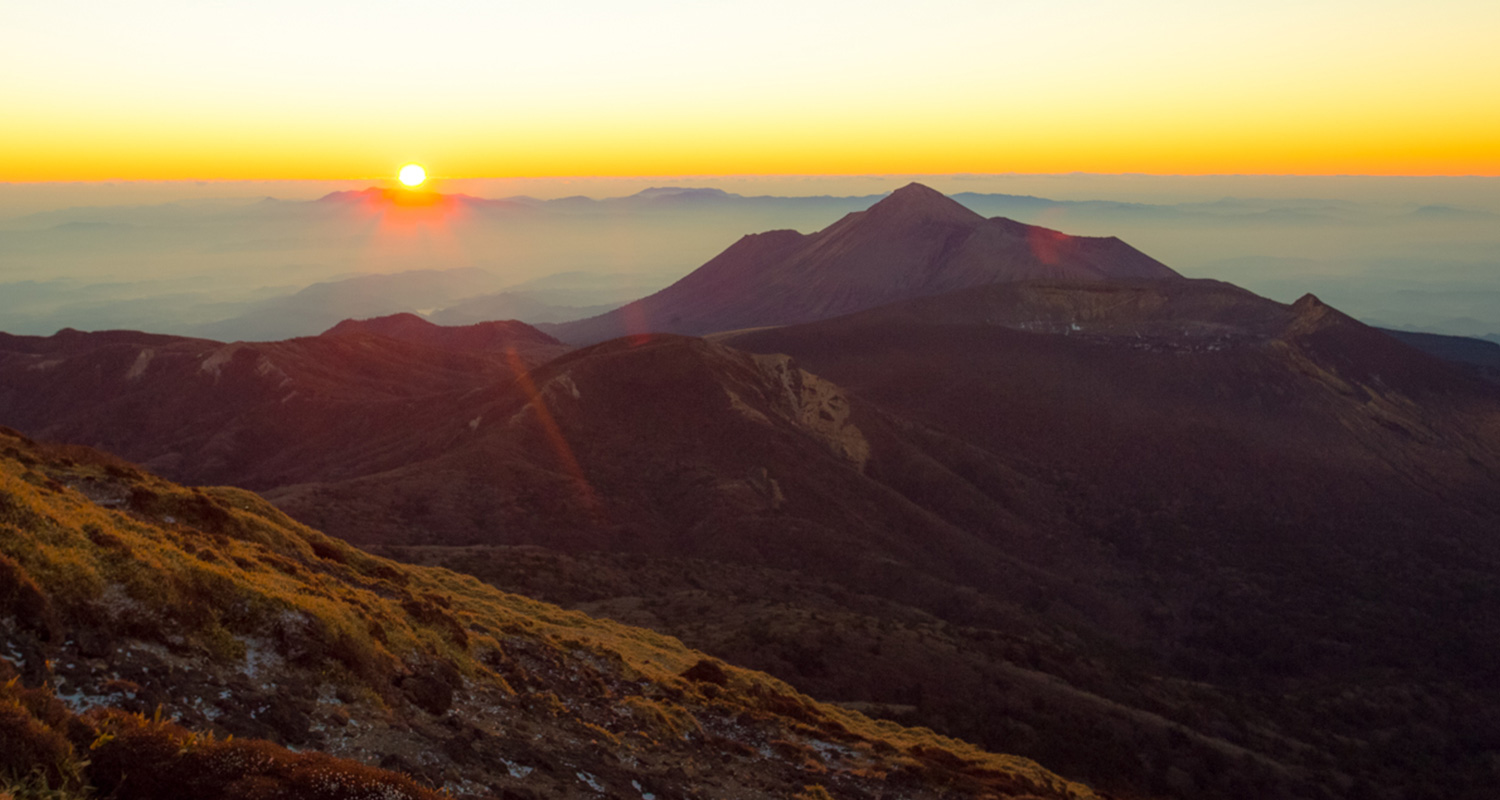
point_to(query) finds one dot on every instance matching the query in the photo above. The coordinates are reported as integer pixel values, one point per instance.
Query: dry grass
(204, 570)
(49, 753)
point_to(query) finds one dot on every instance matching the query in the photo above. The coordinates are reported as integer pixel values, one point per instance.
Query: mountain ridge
(500, 335)
(254, 413)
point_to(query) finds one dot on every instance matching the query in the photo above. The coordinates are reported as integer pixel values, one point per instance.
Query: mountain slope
(253, 414)
(1056, 475)
(1090, 377)
(129, 592)
(681, 445)
(914, 242)
(1296, 495)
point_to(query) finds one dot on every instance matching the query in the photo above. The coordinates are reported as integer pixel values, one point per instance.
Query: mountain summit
(917, 202)
(913, 243)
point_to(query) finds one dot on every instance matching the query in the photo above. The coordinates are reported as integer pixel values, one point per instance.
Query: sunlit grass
(208, 570)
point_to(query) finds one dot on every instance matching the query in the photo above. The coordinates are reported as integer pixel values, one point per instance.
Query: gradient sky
(326, 89)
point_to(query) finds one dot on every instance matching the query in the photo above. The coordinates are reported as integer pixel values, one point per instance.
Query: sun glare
(413, 175)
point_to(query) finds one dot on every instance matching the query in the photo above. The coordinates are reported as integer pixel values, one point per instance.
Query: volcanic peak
(917, 202)
(1308, 302)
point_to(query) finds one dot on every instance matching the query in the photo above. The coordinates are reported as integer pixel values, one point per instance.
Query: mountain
(144, 267)
(524, 306)
(1482, 356)
(321, 305)
(677, 445)
(126, 596)
(561, 297)
(502, 336)
(1195, 399)
(912, 243)
(1154, 518)
(258, 414)
(403, 200)
(1293, 490)
(1126, 513)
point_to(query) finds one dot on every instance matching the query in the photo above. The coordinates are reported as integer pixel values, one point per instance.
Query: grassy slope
(121, 589)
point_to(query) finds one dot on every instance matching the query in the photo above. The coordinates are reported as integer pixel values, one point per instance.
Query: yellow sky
(167, 89)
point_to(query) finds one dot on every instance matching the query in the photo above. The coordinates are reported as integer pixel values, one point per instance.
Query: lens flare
(413, 175)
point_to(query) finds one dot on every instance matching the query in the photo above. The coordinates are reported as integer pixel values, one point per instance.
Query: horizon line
(763, 176)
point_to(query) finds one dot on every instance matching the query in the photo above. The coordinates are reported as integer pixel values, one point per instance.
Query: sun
(412, 175)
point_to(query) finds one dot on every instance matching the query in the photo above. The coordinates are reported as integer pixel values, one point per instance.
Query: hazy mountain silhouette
(524, 306)
(321, 305)
(914, 242)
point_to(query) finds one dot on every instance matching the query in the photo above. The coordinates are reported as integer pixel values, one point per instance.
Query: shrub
(707, 671)
(140, 759)
(32, 749)
(659, 721)
(22, 598)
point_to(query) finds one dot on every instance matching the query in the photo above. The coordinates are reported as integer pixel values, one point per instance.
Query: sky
(169, 90)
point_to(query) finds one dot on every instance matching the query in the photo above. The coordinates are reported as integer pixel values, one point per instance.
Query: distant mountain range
(232, 269)
(321, 305)
(1168, 536)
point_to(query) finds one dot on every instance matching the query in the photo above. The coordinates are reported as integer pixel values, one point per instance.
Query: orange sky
(170, 90)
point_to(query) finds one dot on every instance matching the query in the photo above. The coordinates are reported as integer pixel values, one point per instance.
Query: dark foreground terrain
(122, 595)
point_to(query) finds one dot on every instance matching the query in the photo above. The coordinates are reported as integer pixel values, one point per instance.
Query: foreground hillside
(126, 592)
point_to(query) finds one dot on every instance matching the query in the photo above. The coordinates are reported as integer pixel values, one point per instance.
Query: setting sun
(413, 175)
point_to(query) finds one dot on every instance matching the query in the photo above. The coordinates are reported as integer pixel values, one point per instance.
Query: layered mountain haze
(914, 242)
(1402, 253)
(321, 305)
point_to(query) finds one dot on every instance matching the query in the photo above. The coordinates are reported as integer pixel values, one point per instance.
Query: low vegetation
(47, 752)
(127, 602)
